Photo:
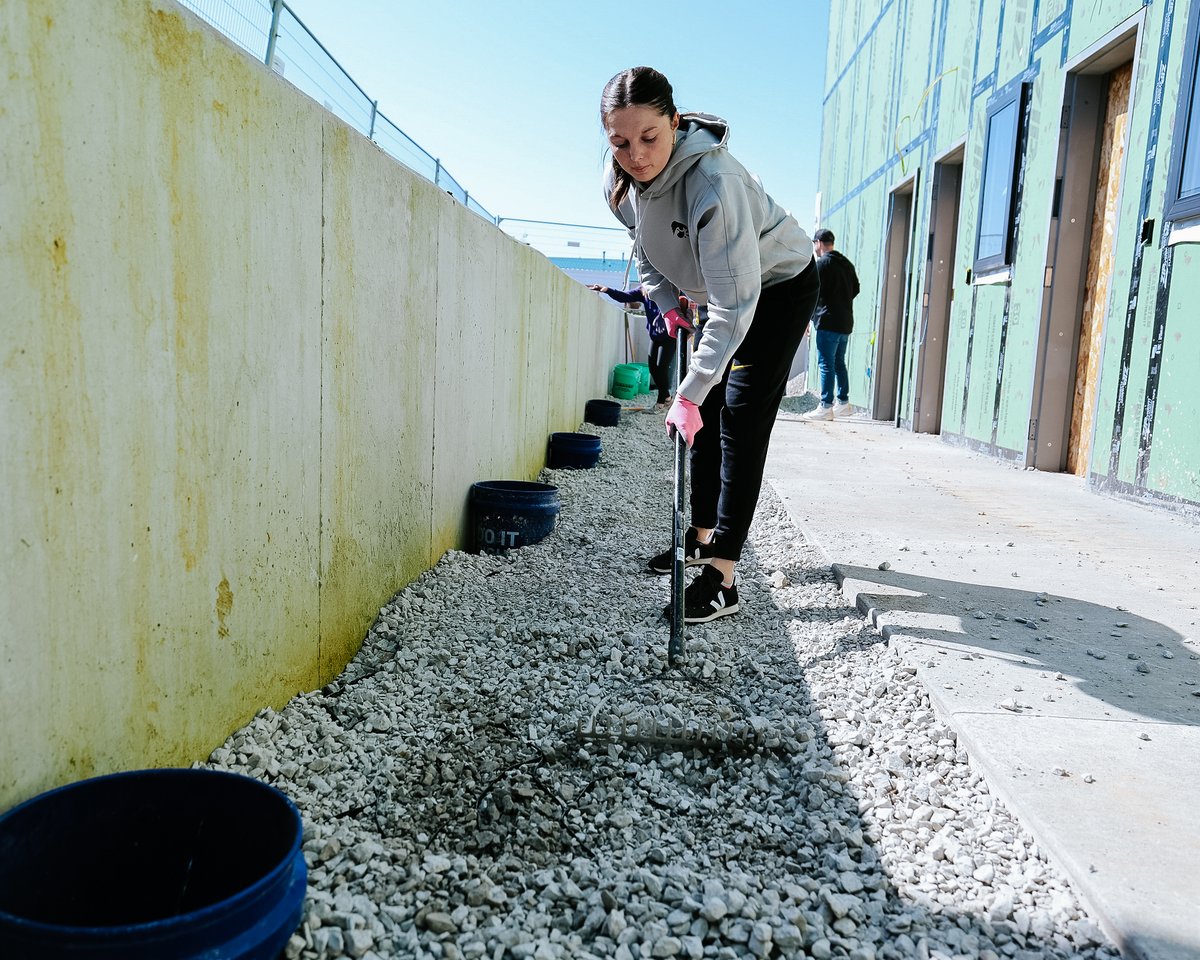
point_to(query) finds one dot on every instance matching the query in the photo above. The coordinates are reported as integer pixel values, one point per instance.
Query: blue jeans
(831, 358)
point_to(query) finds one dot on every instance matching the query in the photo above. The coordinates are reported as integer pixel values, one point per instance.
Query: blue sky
(507, 95)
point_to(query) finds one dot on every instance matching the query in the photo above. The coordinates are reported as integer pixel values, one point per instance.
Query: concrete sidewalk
(1057, 631)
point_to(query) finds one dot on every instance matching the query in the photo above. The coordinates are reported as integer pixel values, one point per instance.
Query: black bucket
(573, 450)
(603, 413)
(506, 514)
(151, 865)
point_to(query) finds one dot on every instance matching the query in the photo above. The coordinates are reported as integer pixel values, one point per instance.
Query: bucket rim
(515, 486)
(167, 926)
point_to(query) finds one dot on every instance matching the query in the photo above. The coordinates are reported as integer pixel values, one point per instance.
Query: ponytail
(621, 184)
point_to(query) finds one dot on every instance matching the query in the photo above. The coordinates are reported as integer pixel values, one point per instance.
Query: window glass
(1189, 177)
(995, 214)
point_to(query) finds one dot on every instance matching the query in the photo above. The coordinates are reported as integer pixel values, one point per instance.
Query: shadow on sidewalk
(1120, 661)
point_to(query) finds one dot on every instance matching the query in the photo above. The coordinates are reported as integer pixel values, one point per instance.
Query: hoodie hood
(704, 227)
(698, 134)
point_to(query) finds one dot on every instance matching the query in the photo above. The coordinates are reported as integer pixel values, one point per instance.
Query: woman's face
(641, 139)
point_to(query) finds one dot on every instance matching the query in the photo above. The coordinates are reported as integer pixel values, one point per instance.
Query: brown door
(1099, 269)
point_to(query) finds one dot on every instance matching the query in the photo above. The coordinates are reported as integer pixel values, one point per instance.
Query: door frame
(1068, 245)
(937, 301)
(892, 327)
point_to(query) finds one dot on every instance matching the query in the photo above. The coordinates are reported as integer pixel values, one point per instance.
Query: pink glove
(676, 321)
(684, 416)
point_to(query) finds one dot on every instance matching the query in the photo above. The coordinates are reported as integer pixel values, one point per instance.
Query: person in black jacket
(834, 321)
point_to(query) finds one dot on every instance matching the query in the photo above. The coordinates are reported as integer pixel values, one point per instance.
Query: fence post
(437, 171)
(374, 111)
(276, 9)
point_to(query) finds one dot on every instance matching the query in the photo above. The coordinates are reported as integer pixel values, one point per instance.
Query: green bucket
(626, 381)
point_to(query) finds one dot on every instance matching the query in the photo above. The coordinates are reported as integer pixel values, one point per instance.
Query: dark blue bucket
(152, 865)
(603, 413)
(506, 514)
(580, 450)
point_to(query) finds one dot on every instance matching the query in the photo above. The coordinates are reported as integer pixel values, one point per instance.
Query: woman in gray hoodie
(704, 228)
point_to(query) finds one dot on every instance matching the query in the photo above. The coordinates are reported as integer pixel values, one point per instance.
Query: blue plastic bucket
(151, 865)
(506, 514)
(603, 413)
(573, 450)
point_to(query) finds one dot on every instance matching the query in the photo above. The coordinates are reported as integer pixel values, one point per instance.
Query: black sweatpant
(659, 361)
(729, 453)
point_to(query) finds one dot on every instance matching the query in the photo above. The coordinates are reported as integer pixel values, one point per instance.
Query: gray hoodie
(705, 227)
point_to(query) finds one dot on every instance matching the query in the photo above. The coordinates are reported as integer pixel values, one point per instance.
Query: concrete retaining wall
(249, 368)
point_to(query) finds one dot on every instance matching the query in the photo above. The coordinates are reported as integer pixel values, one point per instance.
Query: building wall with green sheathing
(908, 81)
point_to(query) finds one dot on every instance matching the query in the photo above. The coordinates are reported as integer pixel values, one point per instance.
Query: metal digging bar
(744, 735)
(675, 643)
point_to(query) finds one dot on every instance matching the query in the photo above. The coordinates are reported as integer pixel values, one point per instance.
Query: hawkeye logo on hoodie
(679, 229)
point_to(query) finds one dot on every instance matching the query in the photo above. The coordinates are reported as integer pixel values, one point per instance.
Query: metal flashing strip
(1003, 275)
(1182, 231)
(1135, 273)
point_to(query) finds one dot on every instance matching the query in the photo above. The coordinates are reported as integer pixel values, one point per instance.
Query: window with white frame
(997, 211)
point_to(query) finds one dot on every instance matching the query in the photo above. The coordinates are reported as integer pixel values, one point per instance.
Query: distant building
(1018, 184)
(607, 272)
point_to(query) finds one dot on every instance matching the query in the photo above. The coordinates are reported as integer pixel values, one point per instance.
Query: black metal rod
(675, 646)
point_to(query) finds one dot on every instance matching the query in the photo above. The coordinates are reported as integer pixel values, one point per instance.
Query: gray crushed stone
(451, 809)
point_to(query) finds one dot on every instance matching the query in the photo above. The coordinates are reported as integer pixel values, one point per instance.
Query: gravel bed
(452, 810)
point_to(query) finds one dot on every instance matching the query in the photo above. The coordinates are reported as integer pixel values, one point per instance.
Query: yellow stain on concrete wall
(234, 361)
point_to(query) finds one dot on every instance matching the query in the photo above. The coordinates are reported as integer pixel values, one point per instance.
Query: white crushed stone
(451, 812)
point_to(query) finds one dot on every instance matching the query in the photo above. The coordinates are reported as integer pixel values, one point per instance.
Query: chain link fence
(270, 31)
(573, 240)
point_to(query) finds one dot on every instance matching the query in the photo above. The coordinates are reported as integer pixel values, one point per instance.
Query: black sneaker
(695, 554)
(706, 598)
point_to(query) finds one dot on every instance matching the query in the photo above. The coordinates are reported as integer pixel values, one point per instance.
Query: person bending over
(703, 227)
(662, 344)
